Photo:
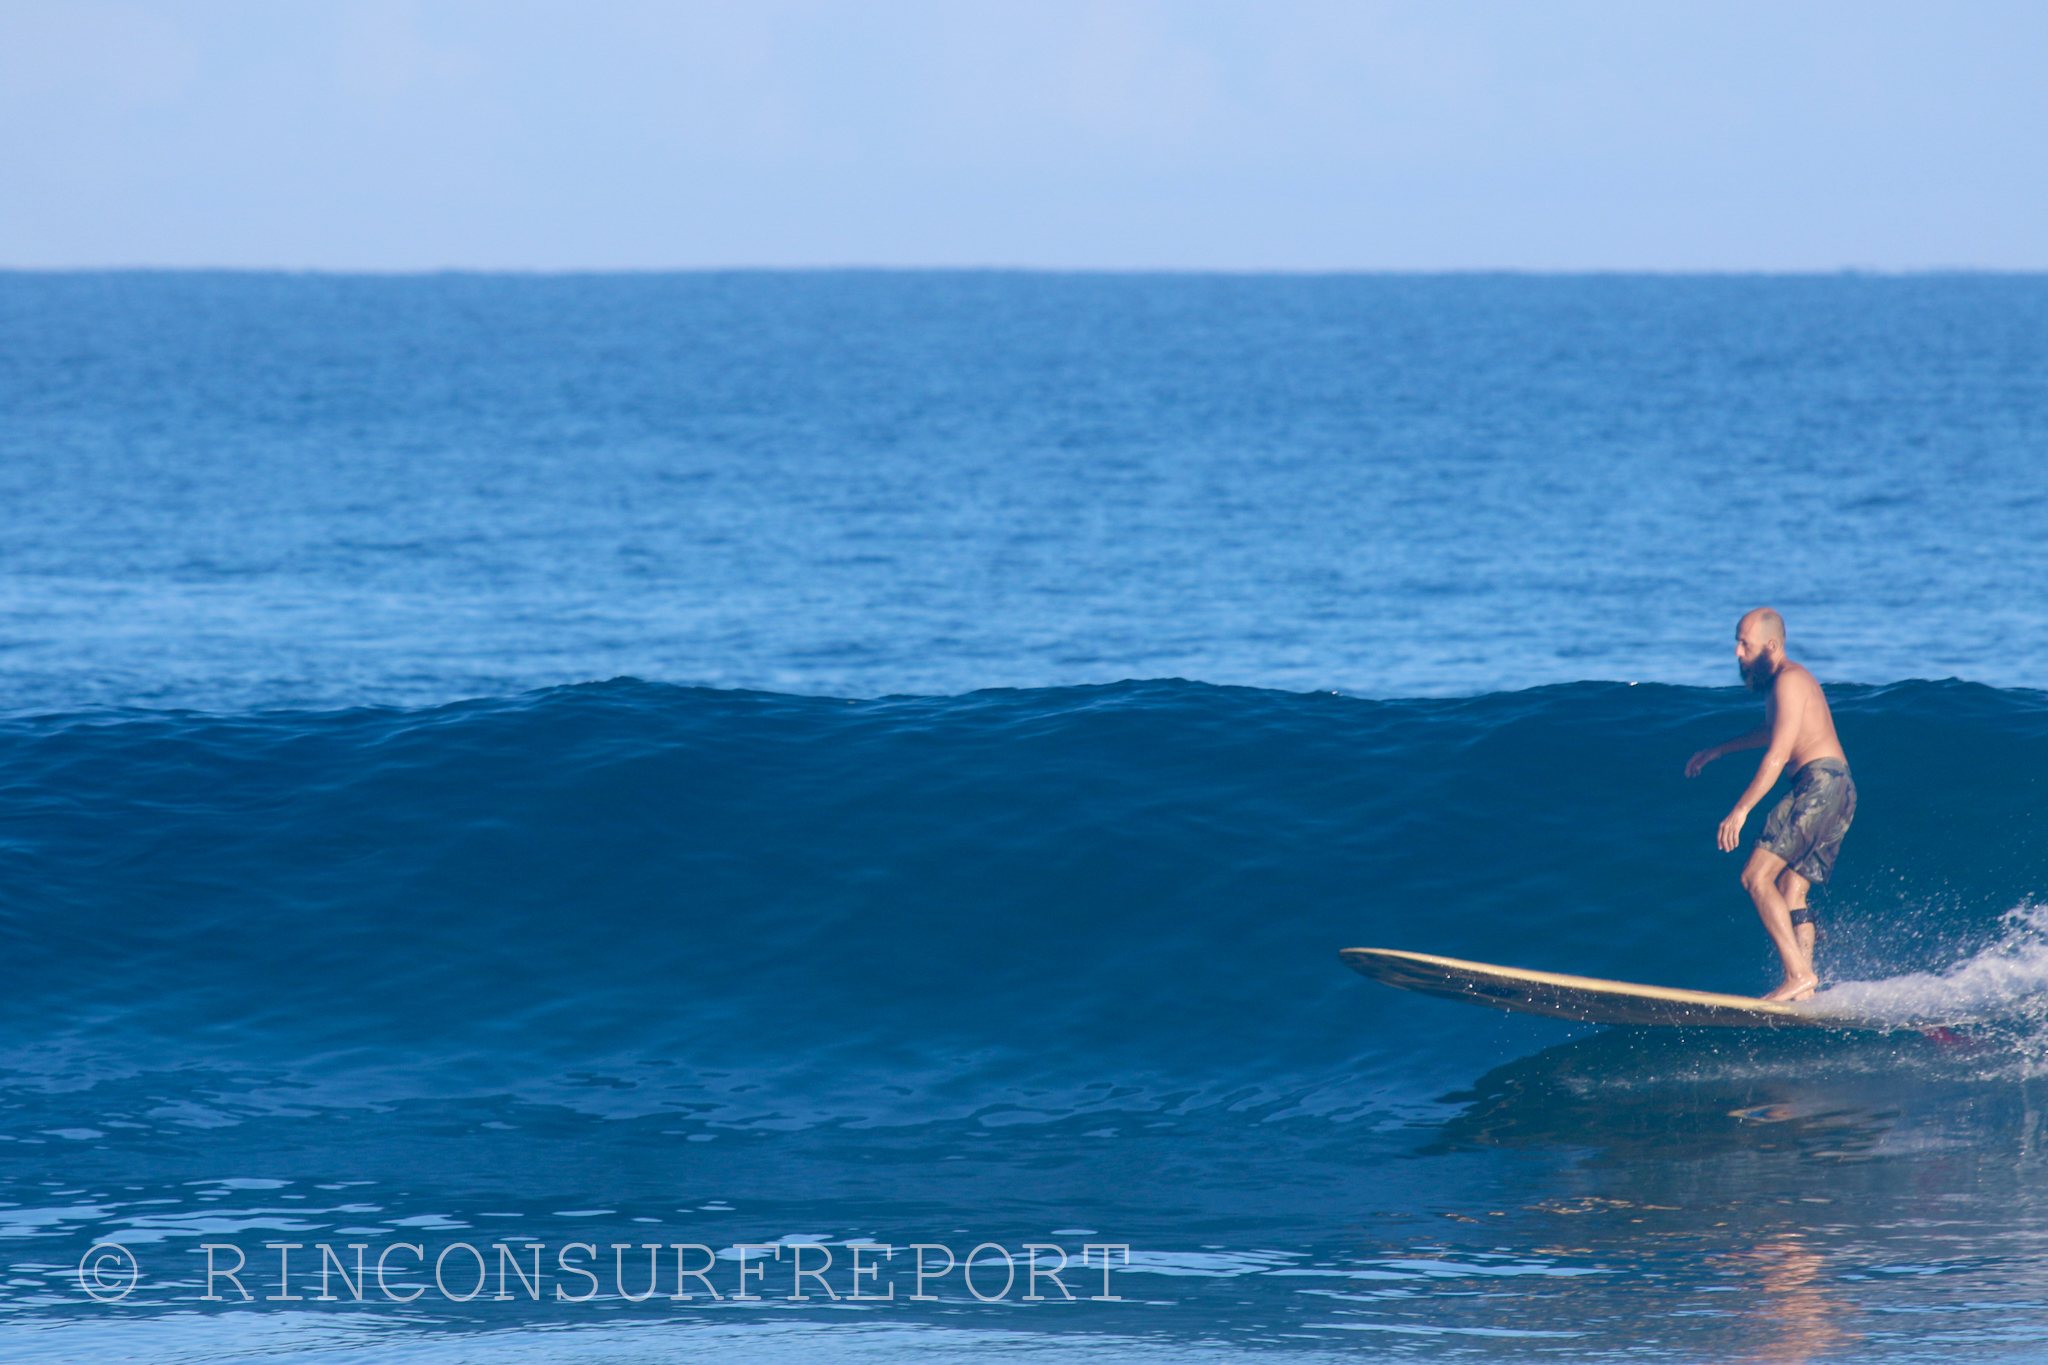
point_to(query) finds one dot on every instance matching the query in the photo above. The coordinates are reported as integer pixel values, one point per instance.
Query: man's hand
(1731, 830)
(1701, 760)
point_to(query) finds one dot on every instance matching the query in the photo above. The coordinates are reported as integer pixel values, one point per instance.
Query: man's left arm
(1790, 703)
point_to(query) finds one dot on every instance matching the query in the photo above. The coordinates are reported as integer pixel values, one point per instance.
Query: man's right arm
(1755, 739)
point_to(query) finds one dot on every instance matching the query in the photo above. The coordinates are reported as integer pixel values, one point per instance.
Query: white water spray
(2005, 981)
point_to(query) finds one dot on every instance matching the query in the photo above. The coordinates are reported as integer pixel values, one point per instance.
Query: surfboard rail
(1586, 999)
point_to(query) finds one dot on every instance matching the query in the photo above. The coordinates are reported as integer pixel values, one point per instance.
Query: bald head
(1760, 648)
(1761, 625)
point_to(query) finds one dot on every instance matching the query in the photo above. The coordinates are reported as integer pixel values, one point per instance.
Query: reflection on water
(1783, 1198)
(1797, 1314)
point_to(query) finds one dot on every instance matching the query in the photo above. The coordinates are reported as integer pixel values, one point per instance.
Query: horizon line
(1808, 272)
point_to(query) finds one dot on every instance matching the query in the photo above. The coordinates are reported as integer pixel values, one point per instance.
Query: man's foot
(1795, 988)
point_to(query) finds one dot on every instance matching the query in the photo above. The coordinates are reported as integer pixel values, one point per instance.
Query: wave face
(1014, 962)
(1150, 876)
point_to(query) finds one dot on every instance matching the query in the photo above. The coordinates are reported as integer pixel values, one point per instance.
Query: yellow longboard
(1585, 998)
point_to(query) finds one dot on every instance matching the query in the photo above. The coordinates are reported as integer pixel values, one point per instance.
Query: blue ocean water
(579, 780)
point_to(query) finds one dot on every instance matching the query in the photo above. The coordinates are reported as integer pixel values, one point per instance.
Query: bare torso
(1813, 736)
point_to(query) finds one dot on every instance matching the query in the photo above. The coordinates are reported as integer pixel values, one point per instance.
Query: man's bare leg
(1760, 880)
(1793, 888)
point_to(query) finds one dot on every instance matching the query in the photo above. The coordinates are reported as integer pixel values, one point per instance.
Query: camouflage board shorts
(1806, 828)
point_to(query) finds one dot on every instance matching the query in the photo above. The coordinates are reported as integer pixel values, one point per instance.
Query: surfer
(1804, 833)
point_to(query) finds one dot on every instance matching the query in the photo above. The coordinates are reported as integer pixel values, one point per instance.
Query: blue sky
(605, 134)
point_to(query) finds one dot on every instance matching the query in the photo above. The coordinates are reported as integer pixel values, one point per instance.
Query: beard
(1759, 673)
